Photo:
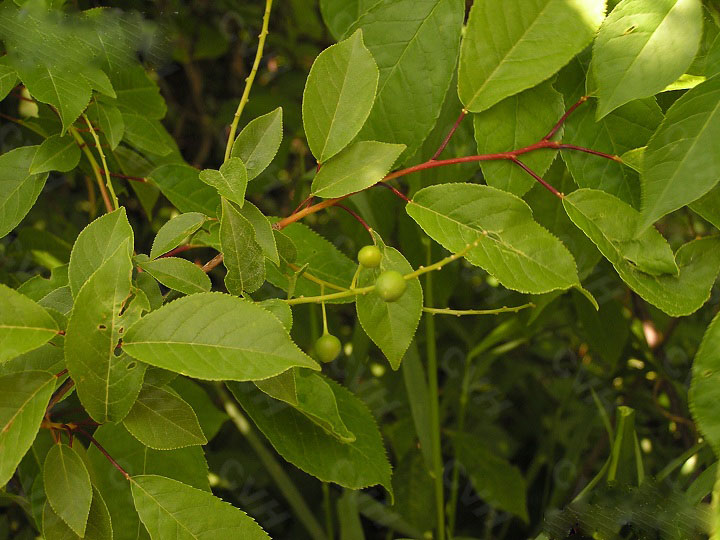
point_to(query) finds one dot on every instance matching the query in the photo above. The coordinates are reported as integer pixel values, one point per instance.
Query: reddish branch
(513, 156)
(356, 216)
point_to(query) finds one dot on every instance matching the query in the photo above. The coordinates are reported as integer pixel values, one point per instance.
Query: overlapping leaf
(684, 147)
(354, 465)
(259, 141)
(18, 188)
(391, 325)
(516, 44)
(99, 526)
(230, 181)
(182, 186)
(515, 122)
(23, 399)
(107, 380)
(163, 421)
(56, 153)
(626, 128)
(359, 166)
(186, 465)
(215, 336)
(24, 325)
(95, 244)
(178, 274)
(67, 486)
(175, 231)
(511, 246)
(242, 255)
(339, 94)
(637, 52)
(617, 223)
(416, 61)
(171, 509)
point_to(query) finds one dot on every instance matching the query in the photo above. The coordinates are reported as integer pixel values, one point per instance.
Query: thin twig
(103, 452)
(397, 192)
(590, 151)
(461, 312)
(564, 117)
(212, 263)
(356, 216)
(64, 389)
(249, 80)
(537, 177)
(94, 166)
(98, 146)
(447, 138)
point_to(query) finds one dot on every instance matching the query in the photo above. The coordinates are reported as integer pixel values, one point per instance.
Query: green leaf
(242, 255)
(414, 492)
(354, 465)
(264, 234)
(549, 212)
(339, 15)
(8, 78)
(214, 336)
(186, 465)
(163, 421)
(67, 486)
(391, 325)
(95, 244)
(698, 262)
(56, 153)
(259, 141)
(145, 134)
(323, 260)
(107, 380)
(110, 120)
(175, 231)
(24, 325)
(513, 45)
(359, 166)
(178, 274)
(625, 459)
(23, 399)
(518, 121)
(643, 46)
(704, 397)
(171, 509)
(310, 394)
(415, 44)
(209, 416)
(494, 479)
(624, 129)
(53, 59)
(708, 206)
(684, 147)
(138, 93)
(617, 222)
(99, 526)
(182, 186)
(338, 96)
(18, 188)
(230, 181)
(280, 309)
(521, 254)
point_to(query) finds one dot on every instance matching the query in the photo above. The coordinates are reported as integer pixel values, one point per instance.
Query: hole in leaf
(630, 30)
(121, 330)
(102, 327)
(131, 365)
(707, 373)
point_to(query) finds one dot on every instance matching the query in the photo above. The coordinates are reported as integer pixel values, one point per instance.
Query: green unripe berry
(327, 347)
(369, 256)
(390, 285)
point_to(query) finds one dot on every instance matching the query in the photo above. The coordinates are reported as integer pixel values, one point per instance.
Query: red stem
(104, 452)
(179, 249)
(590, 151)
(564, 117)
(538, 178)
(395, 191)
(126, 177)
(449, 135)
(356, 216)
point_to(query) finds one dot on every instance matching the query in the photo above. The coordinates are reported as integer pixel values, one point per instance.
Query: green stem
(364, 290)
(462, 408)
(431, 346)
(250, 79)
(104, 161)
(94, 166)
(460, 312)
(274, 469)
(678, 461)
(328, 511)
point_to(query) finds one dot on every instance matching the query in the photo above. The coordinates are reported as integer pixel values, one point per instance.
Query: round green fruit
(327, 347)
(369, 256)
(390, 285)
